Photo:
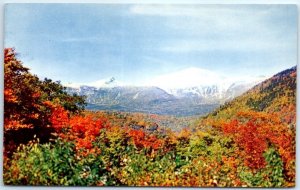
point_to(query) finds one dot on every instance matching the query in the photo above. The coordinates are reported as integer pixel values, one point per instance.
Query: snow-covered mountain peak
(187, 83)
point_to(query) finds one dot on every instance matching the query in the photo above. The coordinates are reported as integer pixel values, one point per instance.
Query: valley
(144, 120)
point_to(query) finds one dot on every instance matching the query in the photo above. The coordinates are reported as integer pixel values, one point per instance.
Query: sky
(143, 44)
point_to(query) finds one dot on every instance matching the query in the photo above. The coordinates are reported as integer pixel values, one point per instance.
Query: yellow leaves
(10, 124)
(142, 123)
(49, 173)
(201, 134)
(230, 162)
(170, 139)
(34, 116)
(115, 133)
(184, 133)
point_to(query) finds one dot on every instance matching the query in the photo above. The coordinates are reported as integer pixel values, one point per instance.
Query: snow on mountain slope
(193, 83)
(192, 91)
(203, 83)
(102, 83)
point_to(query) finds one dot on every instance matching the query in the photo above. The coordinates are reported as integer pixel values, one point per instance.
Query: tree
(255, 132)
(25, 112)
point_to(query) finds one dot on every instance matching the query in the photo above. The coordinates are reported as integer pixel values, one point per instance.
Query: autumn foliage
(49, 139)
(254, 132)
(32, 107)
(144, 140)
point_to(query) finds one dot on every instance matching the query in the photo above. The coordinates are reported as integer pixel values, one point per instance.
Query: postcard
(153, 95)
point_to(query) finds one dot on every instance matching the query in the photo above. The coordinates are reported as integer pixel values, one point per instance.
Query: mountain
(216, 93)
(204, 83)
(274, 95)
(191, 91)
(261, 119)
(140, 99)
(108, 82)
(196, 100)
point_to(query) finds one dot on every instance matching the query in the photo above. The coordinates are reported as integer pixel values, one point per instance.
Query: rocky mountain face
(197, 100)
(214, 93)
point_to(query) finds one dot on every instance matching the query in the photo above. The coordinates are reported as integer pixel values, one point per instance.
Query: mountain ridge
(276, 94)
(197, 100)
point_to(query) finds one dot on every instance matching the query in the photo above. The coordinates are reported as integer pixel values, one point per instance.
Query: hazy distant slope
(274, 95)
(142, 99)
(197, 100)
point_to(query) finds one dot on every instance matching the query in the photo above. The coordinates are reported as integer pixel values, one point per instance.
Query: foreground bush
(54, 164)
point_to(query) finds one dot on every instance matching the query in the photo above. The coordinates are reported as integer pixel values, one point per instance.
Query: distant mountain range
(183, 101)
(276, 94)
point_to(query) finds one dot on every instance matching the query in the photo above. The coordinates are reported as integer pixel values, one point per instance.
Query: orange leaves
(138, 137)
(59, 118)
(84, 130)
(288, 113)
(79, 124)
(230, 161)
(8, 54)
(184, 133)
(248, 137)
(282, 137)
(20, 96)
(152, 142)
(48, 103)
(9, 96)
(253, 130)
(84, 143)
(143, 140)
(14, 124)
(36, 95)
(231, 127)
(86, 125)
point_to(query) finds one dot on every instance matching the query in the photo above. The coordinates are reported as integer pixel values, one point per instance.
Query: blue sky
(135, 43)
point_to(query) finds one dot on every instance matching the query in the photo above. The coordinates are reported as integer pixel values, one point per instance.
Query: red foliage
(248, 137)
(143, 140)
(9, 96)
(87, 126)
(18, 95)
(15, 123)
(59, 116)
(254, 130)
(84, 130)
(84, 143)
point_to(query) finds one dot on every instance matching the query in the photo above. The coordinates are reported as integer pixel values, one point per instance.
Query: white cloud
(188, 77)
(225, 16)
(185, 78)
(163, 10)
(213, 27)
(185, 10)
(195, 76)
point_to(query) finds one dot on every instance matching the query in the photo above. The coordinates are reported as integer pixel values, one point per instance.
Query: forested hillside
(261, 119)
(276, 95)
(49, 139)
